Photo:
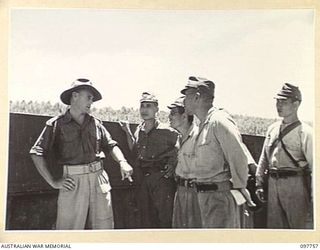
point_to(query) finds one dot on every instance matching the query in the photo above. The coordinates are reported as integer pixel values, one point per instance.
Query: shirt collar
(68, 118)
(155, 126)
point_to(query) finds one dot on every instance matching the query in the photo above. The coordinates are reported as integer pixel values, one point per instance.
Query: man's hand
(125, 170)
(169, 170)
(252, 168)
(67, 184)
(260, 194)
(247, 196)
(124, 126)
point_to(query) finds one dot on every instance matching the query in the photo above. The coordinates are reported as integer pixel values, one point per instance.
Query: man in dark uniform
(78, 141)
(156, 156)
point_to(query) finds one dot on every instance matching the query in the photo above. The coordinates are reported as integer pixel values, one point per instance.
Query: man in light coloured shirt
(220, 159)
(186, 210)
(286, 159)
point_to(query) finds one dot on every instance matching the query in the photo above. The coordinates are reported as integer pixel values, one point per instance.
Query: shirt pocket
(293, 145)
(204, 152)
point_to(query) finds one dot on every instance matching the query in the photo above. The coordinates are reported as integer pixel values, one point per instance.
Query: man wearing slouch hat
(78, 140)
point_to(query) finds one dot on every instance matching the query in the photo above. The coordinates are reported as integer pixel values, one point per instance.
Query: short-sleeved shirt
(186, 166)
(158, 145)
(72, 143)
(298, 142)
(219, 151)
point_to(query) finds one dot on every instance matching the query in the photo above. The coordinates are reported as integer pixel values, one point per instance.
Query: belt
(284, 173)
(203, 187)
(82, 168)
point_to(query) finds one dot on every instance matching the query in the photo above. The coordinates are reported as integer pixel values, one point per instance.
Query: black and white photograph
(152, 120)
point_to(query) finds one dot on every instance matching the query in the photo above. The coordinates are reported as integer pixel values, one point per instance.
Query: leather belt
(203, 187)
(82, 168)
(273, 173)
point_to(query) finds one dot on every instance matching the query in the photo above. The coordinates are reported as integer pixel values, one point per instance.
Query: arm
(38, 153)
(307, 146)
(42, 167)
(262, 165)
(172, 160)
(130, 138)
(125, 168)
(229, 138)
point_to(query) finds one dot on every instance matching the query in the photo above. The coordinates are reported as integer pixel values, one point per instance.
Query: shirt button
(141, 157)
(152, 156)
(144, 146)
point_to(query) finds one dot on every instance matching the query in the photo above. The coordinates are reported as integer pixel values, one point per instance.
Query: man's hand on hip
(67, 184)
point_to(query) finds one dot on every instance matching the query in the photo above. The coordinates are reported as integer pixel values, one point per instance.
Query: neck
(203, 112)
(77, 115)
(290, 119)
(149, 124)
(183, 129)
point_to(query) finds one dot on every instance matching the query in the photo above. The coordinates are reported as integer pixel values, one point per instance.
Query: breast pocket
(204, 152)
(69, 139)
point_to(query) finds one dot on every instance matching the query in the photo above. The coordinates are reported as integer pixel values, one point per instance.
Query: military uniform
(78, 149)
(288, 189)
(288, 199)
(220, 165)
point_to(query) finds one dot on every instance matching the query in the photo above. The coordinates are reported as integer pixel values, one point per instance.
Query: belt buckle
(275, 175)
(191, 184)
(92, 167)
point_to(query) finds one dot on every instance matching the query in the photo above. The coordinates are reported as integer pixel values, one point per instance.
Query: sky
(248, 54)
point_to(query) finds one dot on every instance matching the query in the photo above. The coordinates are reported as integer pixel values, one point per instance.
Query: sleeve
(249, 156)
(231, 143)
(107, 143)
(307, 145)
(174, 145)
(263, 161)
(44, 143)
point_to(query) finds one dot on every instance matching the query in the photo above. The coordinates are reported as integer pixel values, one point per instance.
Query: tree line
(247, 124)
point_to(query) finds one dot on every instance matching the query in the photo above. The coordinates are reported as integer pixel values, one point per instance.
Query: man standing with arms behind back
(77, 140)
(287, 161)
(221, 163)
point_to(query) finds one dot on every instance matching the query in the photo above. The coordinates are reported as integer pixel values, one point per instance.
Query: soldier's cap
(148, 97)
(289, 91)
(177, 103)
(202, 85)
(79, 84)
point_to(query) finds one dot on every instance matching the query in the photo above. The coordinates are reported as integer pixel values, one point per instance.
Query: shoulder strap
(288, 154)
(283, 133)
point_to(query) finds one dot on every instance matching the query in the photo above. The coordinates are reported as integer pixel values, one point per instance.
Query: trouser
(155, 200)
(209, 209)
(287, 202)
(85, 206)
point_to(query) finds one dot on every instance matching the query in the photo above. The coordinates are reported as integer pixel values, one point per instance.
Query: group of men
(191, 174)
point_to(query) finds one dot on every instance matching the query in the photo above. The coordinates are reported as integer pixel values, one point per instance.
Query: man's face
(189, 101)
(286, 107)
(83, 100)
(175, 118)
(148, 110)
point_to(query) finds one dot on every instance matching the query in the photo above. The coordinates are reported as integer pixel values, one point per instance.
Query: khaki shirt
(186, 166)
(298, 142)
(72, 143)
(219, 151)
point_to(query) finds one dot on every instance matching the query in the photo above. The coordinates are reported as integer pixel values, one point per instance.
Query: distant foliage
(247, 124)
